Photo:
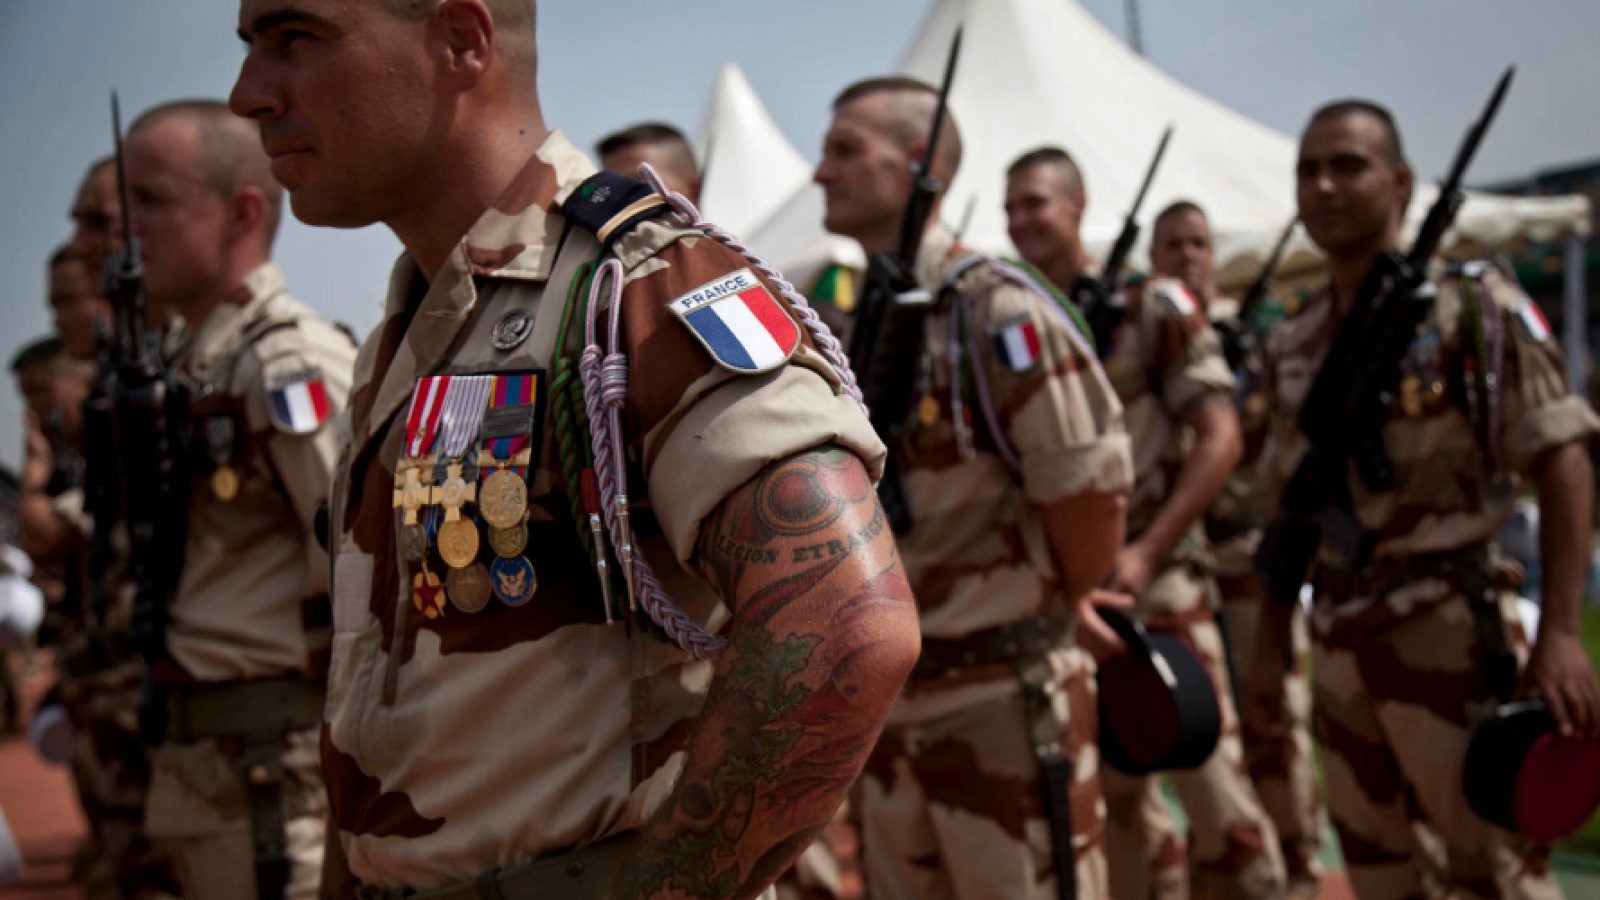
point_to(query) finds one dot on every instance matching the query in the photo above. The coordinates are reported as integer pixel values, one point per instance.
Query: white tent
(1038, 72)
(750, 167)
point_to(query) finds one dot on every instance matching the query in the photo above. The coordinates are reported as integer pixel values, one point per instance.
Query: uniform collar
(222, 335)
(938, 248)
(516, 239)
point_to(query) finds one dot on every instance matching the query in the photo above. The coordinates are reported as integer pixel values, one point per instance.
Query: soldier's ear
(247, 212)
(466, 32)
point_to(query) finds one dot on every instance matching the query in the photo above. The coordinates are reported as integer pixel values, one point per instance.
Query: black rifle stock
(886, 338)
(1239, 337)
(1095, 297)
(1349, 401)
(137, 430)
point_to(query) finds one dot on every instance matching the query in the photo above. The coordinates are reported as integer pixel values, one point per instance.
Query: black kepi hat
(1158, 706)
(1522, 775)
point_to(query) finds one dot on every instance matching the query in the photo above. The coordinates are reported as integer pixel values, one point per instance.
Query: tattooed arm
(823, 636)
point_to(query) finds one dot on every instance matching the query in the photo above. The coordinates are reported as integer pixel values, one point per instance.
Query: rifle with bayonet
(136, 426)
(1350, 398)
(1239, 336)
(886, 339)
(1097, 297)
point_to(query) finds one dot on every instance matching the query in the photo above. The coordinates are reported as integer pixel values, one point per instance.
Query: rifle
(886, 340)
(1239, 337)
(1096, 296)
(136, 425)
(1349, 401)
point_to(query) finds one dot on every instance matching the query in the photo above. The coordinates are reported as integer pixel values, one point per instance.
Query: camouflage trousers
(199, 813)
(110, 772)
(1395, 703)
(1278, 754)
(951, 803)
(1233, 849)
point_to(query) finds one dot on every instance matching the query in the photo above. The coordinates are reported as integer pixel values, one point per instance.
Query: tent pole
(1130, 11)
(1575, 315)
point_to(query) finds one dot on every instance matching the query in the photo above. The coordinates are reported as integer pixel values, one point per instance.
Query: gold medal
(425, 594)
(225, 483)
(509, 541)
(454, 493)
(503, 499)
(411, 491)
(468, 588)
(458, 543)
(1411, 396)
(928, 410)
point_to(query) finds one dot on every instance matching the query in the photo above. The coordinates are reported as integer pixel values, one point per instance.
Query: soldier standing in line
(1278, 753)
(97, 673)
(1016, 516)
(236, 794)
(663, 146)
(1404, 641)
(1166, 365)
(515, 703)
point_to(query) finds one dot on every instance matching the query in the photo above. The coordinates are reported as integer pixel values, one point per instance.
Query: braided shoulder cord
(827, 344)
(605, 388)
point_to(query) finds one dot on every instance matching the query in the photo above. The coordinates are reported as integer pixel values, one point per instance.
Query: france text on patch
(739, 322)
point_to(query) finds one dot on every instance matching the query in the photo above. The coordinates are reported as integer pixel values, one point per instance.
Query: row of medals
(434, 496)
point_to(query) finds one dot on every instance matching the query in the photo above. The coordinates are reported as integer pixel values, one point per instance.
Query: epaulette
(265, 324)
(608, 205)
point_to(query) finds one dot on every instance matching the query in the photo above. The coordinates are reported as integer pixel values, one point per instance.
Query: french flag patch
(1533, 321)
(739, 323)
(1016, 344)
(300, 404)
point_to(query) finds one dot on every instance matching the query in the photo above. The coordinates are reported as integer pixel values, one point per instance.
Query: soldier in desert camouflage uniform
(1015, 518)
(1404, 643)
(236, 796)
(1278, 752)
(98, 674)
(662, 146)
(526, 742)
(1166, 366)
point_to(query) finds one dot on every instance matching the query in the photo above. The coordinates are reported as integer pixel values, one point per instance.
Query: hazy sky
(611, 62)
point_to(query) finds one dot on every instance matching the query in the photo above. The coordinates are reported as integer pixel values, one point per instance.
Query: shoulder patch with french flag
(1533, 321)
(298, 402)
(1016, 344)
(739, 322)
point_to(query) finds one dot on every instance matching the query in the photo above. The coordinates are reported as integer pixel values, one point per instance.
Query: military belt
(1468, 569)
(1028, 638)
(1474, 570)
(241, 709)
(258, 714)
(584, 873)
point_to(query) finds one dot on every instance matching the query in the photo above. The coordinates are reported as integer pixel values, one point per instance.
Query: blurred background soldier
(1278, 753)
(1166, 365)
(236, 792)
(663, 146)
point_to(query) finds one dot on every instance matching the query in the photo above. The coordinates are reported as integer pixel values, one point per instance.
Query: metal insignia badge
(514, 580)
(512, 329)
(425, 591)
(225, 483)
(413, 542)
(458, 543)
(468, 588)
(508, 541)
(503, 499)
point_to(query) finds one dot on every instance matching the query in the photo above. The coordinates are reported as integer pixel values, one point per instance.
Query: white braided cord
(605, 391)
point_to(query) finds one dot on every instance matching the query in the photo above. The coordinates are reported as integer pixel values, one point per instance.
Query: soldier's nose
(251, 97)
